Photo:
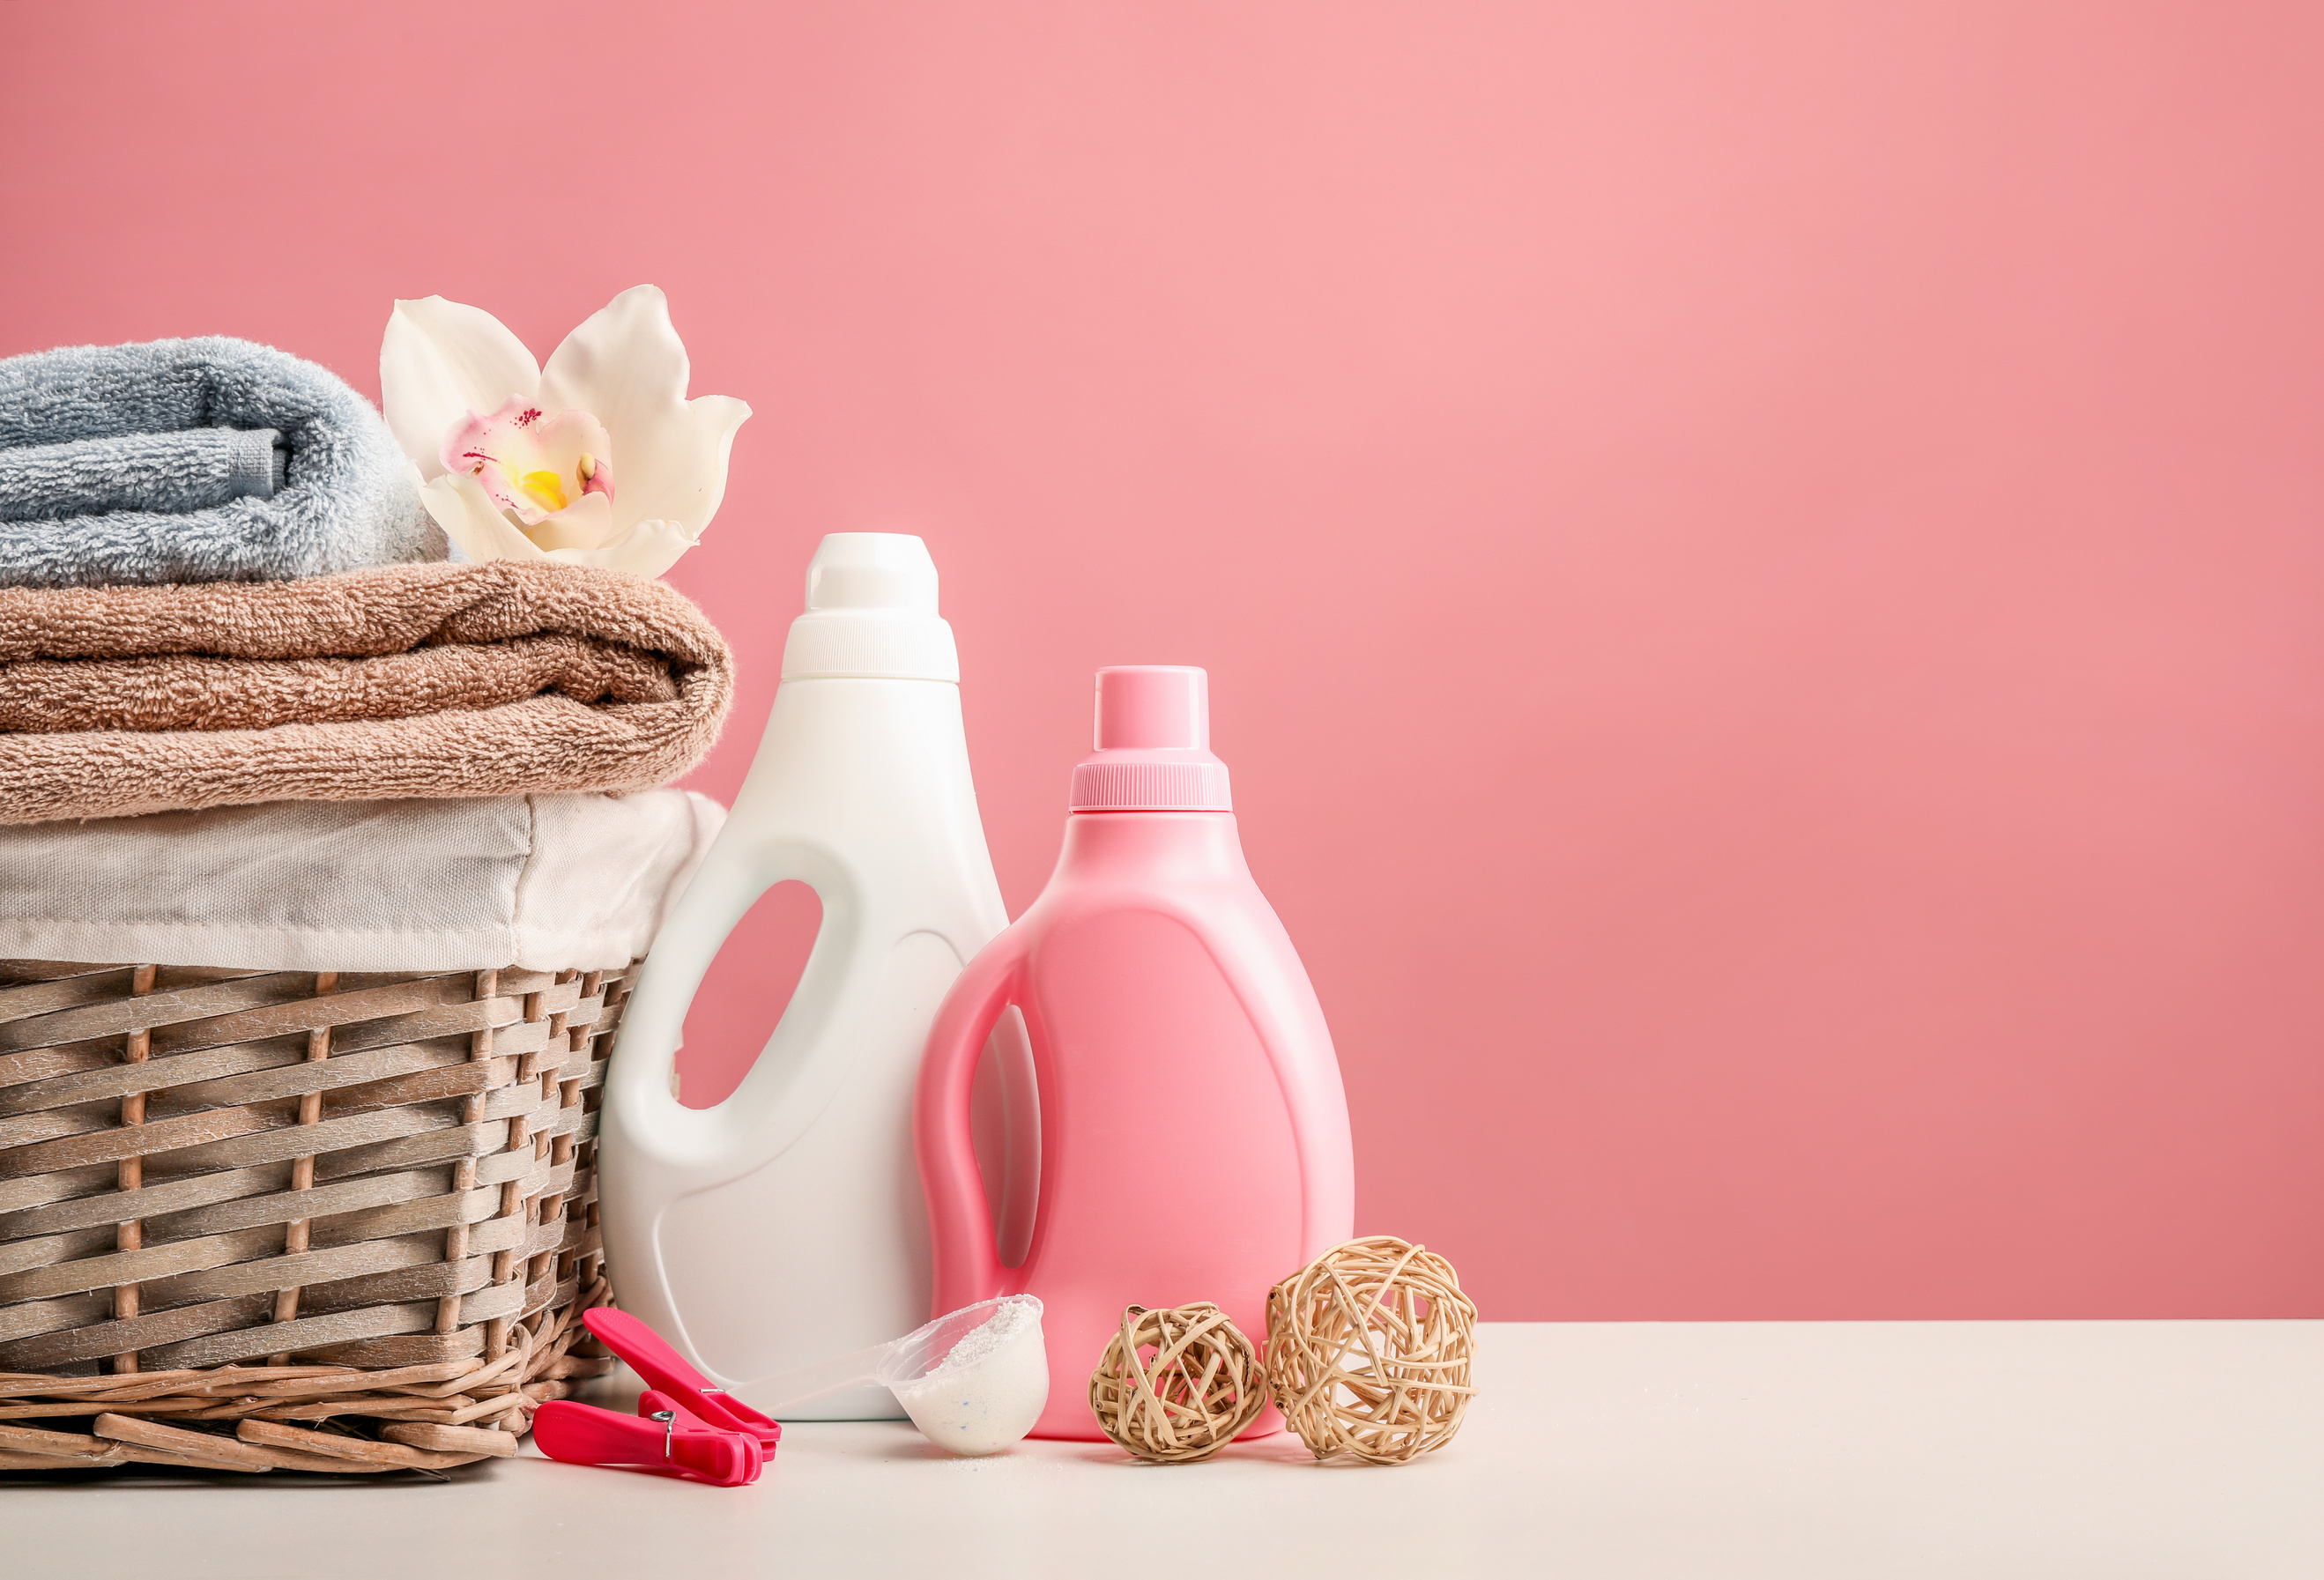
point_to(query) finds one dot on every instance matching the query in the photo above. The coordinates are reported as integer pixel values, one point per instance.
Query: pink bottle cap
(1153, 744)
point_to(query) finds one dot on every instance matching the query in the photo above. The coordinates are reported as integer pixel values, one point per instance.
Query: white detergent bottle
(786, 1225)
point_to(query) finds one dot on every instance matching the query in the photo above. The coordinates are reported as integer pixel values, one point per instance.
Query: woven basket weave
(284, 1220)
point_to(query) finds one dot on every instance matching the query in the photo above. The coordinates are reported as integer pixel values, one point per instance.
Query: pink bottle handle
(967, 1267)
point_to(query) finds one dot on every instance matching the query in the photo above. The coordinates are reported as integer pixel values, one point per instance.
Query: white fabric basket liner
(540, 882)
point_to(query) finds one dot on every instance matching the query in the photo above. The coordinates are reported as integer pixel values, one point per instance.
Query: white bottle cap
(871, 613)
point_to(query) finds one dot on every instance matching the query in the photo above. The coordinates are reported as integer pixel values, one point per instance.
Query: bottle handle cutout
(967, 1264)
(788, 1084)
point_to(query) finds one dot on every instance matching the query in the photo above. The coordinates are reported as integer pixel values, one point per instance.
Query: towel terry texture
(206, 460)
(191, 471)
(432, 681)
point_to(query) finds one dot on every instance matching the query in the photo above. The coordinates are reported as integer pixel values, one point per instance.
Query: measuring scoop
(974, 1381)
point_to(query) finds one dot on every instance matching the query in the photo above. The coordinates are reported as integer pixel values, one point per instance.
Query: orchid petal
(626, 364)
(707, 439)
(440, 360)
(674, 468)
(624, 357)
(587, 523)
(647, 549)
(470, 519)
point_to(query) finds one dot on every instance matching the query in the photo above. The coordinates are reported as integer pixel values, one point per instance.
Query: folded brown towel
(501, 679)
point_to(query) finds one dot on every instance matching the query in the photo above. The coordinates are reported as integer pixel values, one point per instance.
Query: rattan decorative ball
(1177, 1385)
(1369, 1348)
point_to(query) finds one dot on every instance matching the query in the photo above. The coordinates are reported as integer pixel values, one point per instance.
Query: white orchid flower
(597, 459)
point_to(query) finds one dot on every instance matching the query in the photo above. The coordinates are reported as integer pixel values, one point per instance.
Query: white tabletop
(1788, 1450)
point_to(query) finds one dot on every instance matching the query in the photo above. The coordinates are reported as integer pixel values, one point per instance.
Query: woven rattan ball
(1368, 1351)
(1177, 1385)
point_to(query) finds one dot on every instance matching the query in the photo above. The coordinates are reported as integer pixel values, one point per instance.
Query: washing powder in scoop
(990, 1389)
(974, 1381)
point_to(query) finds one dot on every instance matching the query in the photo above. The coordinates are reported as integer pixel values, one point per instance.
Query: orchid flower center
(532, 462)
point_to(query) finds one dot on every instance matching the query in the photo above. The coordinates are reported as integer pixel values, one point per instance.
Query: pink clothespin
(648, 1355)
(662, 1440)
(654, 1405)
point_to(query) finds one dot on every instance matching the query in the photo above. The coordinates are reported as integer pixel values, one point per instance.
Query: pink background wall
(1760, 564)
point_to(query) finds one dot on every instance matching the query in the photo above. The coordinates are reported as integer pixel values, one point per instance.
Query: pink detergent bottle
(1192, 1133)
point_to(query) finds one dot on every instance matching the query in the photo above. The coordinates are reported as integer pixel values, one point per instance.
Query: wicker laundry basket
(283, 1220)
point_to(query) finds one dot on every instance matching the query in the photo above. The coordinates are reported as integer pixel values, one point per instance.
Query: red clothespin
(649, 1355)
(662, 1439)
(654, 1405)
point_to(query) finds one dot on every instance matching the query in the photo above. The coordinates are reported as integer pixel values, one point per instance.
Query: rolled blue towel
(209, 460)
(169, 473)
